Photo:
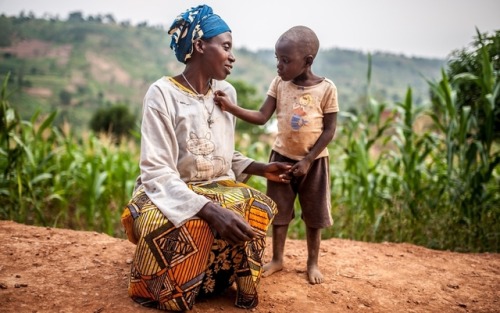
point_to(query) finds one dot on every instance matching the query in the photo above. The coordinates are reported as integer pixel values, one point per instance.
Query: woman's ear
(198, 45)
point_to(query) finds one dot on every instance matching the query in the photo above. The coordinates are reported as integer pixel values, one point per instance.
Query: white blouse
(185, 138)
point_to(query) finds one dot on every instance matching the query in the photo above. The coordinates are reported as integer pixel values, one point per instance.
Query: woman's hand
(278, 172)
(229, 225)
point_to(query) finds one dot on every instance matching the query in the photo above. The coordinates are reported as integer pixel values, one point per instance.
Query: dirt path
(59, 270)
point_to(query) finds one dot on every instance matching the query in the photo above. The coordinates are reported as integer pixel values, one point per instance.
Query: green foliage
(93, 62)
(472, 156)
(436, 185)
(6, 27)
(65, 97)
(50, 177)
(248, 98)
(474, 68)
(116, 120)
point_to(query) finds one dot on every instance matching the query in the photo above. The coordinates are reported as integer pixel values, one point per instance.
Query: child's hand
(222, 100)
(278, 172)
(300, 168)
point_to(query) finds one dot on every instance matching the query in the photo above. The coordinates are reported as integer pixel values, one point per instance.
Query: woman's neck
(194, 81)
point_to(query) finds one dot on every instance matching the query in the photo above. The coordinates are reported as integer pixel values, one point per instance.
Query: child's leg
(279, 238)
(313, 242)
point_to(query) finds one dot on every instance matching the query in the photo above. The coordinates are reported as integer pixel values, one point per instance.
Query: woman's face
(218, 55)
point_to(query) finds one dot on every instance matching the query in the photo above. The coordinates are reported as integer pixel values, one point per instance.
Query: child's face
(291, 62)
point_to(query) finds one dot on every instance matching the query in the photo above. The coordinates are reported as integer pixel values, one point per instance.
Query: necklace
(210, 121)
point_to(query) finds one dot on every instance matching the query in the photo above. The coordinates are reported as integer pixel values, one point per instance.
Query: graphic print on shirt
(299, 112)
(207, 166)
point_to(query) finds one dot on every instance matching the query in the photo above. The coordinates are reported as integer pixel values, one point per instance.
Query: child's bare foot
(271, 268)
(314, 274)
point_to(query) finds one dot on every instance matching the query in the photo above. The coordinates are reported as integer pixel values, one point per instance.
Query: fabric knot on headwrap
(197, 22)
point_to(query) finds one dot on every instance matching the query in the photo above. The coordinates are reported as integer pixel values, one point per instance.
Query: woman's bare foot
(314, 274)
(271, 268)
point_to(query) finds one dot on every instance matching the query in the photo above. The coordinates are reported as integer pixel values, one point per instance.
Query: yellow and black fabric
(173, 266)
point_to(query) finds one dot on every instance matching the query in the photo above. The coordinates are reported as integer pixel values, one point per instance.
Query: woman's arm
(275, 171)
(228, 224)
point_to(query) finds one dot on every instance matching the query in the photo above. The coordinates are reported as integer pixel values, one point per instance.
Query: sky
(414, 28)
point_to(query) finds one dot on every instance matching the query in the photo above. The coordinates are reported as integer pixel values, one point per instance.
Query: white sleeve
(239, 164)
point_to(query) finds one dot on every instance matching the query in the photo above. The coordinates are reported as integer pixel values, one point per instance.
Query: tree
(110, 18)
(65, 97)
(116, 120)
(5, 34)
(469, 67)
(76, 16)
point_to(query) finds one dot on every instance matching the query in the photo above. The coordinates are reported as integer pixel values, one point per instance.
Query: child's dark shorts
(312, 189)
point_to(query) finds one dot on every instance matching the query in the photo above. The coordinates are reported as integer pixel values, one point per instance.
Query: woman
(197, 227)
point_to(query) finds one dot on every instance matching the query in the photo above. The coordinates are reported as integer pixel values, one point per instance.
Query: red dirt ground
(59, 270)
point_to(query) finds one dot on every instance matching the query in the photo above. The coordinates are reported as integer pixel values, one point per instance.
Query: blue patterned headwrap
(197, 22)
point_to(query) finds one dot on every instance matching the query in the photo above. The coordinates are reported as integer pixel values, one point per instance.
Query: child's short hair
(305, 36)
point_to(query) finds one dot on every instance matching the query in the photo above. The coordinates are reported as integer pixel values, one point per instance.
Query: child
(306, 108)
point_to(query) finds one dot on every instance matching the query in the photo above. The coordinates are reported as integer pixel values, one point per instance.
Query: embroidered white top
(179, 147)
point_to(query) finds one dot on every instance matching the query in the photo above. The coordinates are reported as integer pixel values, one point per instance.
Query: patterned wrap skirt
(173, 266)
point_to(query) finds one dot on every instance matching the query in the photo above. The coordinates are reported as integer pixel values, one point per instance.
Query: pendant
(210, 121)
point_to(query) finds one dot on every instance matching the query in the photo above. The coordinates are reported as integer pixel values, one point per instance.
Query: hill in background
(78, 65)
